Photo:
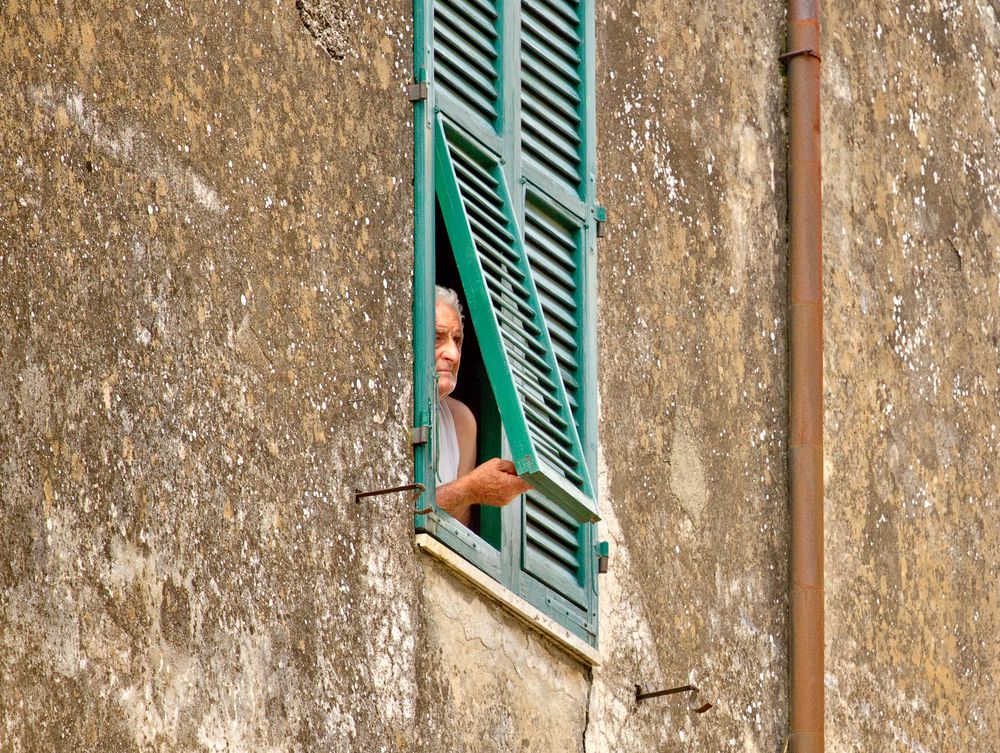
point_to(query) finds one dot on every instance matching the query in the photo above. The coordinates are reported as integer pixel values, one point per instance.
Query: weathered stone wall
(912, 243)
(205, 258)
(692, 284)
(205, 245)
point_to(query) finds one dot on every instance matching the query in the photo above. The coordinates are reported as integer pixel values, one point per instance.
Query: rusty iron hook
(420, 489)
(641, 695)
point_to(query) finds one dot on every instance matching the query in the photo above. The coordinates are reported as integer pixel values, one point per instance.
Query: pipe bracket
(795, 53)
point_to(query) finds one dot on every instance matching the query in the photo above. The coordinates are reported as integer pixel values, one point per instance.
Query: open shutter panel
(552, 75)
(506, 311)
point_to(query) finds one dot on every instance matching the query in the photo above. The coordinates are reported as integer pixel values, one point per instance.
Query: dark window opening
(473, 387)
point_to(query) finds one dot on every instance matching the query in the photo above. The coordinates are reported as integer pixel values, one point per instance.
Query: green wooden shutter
(551, 91)
(467, 64)
(554, 545)
(506, 311)
(511, 83)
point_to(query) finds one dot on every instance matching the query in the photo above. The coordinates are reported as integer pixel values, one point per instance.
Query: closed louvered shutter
(553, 548)
(467, 64)
(552, 78)
(554, 551)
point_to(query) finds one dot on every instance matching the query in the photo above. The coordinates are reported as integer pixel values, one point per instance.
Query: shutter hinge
(417, 92)
(601, 217)
(603, 555)
(420, 435)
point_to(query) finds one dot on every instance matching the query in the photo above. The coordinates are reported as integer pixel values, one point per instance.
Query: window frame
(506, 565)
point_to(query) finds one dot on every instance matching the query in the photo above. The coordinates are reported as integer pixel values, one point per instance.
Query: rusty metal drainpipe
(805, 355)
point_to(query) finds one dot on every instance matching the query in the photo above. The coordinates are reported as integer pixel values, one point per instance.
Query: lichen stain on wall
(202, 361)
(913, 222)
(692, 365)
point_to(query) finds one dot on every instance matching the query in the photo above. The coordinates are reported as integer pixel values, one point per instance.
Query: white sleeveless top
(447, 445)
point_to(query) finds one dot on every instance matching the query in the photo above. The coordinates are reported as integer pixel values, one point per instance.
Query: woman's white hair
(449, 297)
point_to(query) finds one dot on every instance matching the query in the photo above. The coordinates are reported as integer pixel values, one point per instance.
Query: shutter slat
(475, 46)
(539, 403)
(498, 269)
(568, 11)
(519, 308)
(552, 72)
(556, 92)
(534, 395)
(545, 138)
(543, 112)
(471, 172)
(549, 15)
(550, 53)
(466, 54)
(551, 546)
(467, 68)
(486, 7)
(528, 353)
(522, 363)
(482, 16)
(550, 450)
(557, 331)
(554, 302)
(558, 524)
(488, 232)
(489, 211)
(552, 242)
(518, 323)
(486, 220)
(567, 357)
(547, 154)
(556, 52)
(560, 266)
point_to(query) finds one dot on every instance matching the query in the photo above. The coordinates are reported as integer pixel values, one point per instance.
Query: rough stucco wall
(205, 241)
(912, 237)
(204, 293)
(493, 684)
(692, 291)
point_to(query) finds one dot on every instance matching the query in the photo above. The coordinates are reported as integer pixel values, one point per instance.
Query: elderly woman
(460, 482)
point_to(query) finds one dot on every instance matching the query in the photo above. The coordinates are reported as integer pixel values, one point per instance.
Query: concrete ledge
(514, 604)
